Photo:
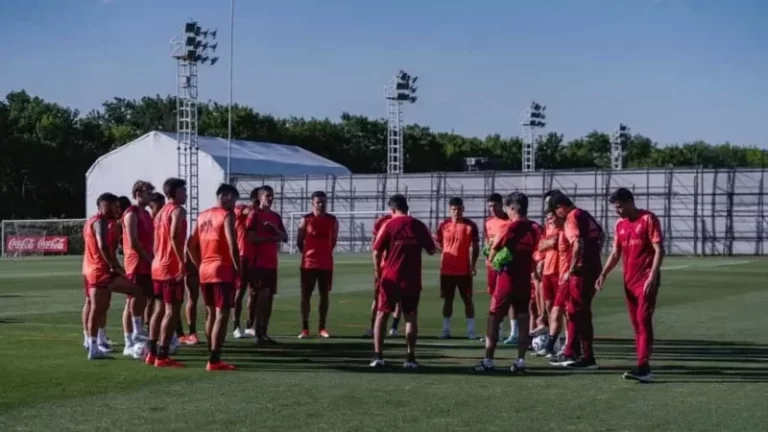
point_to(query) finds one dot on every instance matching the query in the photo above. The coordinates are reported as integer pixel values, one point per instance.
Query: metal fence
(702, 211)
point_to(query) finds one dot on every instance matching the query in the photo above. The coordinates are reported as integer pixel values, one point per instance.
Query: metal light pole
(400, 89)
(229, 115)
(533, 120)
(190, 47)
(619, 140)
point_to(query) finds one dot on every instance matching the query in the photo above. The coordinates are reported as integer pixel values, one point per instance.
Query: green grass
(711, 361)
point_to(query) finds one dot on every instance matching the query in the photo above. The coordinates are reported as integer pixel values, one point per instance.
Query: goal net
(42, 237)
(355, 230)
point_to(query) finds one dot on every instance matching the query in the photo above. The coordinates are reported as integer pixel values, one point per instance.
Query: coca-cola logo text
(37, 244)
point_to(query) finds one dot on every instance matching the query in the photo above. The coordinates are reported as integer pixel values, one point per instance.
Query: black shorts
(311, 277)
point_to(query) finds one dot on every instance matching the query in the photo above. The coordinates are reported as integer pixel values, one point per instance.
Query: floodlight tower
(619, 140)
(533, 121)
(400, 89)
(190, 47)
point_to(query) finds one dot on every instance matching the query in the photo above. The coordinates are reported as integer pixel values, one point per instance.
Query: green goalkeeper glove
(502, 258)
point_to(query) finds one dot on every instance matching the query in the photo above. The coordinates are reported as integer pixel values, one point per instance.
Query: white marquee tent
(153, 158)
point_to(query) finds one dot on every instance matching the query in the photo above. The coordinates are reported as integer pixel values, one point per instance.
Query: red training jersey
(216, 261)
(319, 241)
(635, 239)
(521, 239)
(495, 226)
(264, 221)
(379, 224)
(134, 264)
(580, 225)
(96, 269)
(456, 239)
(242, 218)
(166, 265)
(402, 239)
(550, 256)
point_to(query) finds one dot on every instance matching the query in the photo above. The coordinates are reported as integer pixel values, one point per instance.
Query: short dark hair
(518, 201)
(171, 185)
(622, 195)
(106, 197)
(398, 202)
(255, 193)
(456, 202)
(228, 189)
(158, 198)
(124, 202)
(551, 192)
(559, 199)
(266, 189)
(495, 198)
(319, 194)
(141, 186)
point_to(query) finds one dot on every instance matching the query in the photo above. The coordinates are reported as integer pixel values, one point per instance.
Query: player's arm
(475, 233)
(575, 238)
(132, 225)
(193, 247)
(282, 234)
(427, 242)
(498, 244)
(380, 245)
(178, 237)
(231, 235)
(613, 258)
(438, 238)
(301, 235)
(335, 237)
(547, 244)
(101, 231)
(657, 240)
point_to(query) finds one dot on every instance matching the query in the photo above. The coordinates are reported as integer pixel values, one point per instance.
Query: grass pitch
(711, 362)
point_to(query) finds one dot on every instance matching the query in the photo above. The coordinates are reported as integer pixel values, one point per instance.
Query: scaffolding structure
(532, 123)
(400, 90)
(619, 140)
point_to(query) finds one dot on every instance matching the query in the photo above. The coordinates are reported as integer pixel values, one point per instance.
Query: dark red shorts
(311, 277)
(449, 284)
(220, 295)
(104, 284)
(391, 293)
(490, 276)
(264, 279)
(244, 278)
(144, 281)
(510, 293)
(562, 295)
(170, 291)
(549, 285)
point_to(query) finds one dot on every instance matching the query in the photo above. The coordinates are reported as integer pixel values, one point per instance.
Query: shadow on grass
(11, 321)
(686, 350)
(10, 296)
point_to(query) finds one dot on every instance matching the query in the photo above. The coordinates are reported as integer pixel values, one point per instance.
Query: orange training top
(166, 264)
(456, 239)
(216, 262)
(319, 241)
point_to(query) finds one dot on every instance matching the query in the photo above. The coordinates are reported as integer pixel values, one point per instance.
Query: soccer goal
(34, 237)
(355, 229)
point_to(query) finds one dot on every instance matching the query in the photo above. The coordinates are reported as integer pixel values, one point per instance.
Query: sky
(673, 70)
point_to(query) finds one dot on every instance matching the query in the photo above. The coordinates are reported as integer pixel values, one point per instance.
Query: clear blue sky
(674, 70)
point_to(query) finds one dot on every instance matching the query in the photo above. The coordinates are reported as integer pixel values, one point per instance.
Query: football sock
(192, 328)
(322, 323)
(447, 324)
(551, 340)
(377, 355)
(137, 324)
(153, 347)
(179, 329)
(248, 324)
(305, 325)
(261, 331)
(470, 325)
(102, 338)
(411, 357)
(215, 356)
(163, 352)
(128, 339)
(395, 322)
(513, 328)
(93, 344)
(235, 325)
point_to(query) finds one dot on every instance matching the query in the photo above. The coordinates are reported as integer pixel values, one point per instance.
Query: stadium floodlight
(399, 91)
(189, 47)
(619, 140)
(533, 121)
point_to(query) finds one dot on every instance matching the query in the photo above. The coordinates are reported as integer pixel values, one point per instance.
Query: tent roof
(259, 158)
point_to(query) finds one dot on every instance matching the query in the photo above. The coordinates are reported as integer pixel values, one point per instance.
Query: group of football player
(543, 279)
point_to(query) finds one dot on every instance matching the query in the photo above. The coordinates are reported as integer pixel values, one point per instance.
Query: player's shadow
(687, 350)
(326, 352)
(10, 321)
(10, 296)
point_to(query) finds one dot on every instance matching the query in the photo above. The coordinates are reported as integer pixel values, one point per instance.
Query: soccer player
(266, 231)
(101, 270)
(584, 238)
(513, 284)
(168, 271)
(495, 225)
(553, 293)
(138, 236)
(192, 288)
(402, 239)
(316, 240)
(244, 283)
(639, 243)
(377, 226)
(213, 249)
(156, 203)
(455, 237)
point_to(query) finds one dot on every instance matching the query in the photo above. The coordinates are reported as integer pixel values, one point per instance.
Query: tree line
(46, 148)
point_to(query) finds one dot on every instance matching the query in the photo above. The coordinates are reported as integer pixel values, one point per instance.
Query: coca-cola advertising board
(30, 244)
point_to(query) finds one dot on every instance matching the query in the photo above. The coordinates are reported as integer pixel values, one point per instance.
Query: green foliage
(45, 148)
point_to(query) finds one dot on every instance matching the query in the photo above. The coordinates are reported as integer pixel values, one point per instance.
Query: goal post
(355, 229)
(35, 237)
